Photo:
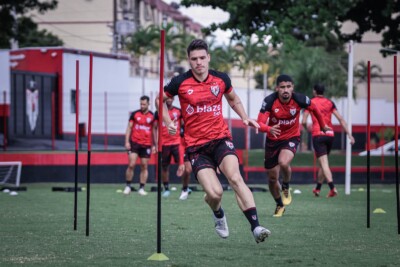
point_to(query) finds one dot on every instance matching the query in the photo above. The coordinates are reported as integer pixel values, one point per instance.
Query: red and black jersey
(274, 112)
(142, 124)
(201, 104)
(174, 114)
(326, 107)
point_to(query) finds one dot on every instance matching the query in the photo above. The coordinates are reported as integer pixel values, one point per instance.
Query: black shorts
(322, 145)
(142, 150)
(168, 152)
(210, 155)
(273, 148)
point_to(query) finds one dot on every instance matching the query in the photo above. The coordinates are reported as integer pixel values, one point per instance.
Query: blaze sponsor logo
(142, 127)
(293, 111)
(216, 109)
(229, 144)
(215, 90)
(287, 122)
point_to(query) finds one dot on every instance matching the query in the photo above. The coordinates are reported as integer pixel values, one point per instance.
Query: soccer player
(279, 118)
(171, 144)
(138, 143)
(322, 141)
(208, 140)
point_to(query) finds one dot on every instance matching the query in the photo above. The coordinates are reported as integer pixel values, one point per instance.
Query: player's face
(199, 60)
(285, 90)
(144, 105)
(169, 101)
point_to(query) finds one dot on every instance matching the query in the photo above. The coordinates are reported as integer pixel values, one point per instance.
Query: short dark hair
(283, 78)
(319, 89)
(145, 97)
(197, 44)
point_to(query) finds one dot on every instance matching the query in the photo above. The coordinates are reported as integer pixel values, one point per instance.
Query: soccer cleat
(166, 193)
(286, 197)
(142, 192)
(316, 192)
(332, 193)
(127, 190)
(260, 234)
(279, 211)
(221, 226)
(184, 195)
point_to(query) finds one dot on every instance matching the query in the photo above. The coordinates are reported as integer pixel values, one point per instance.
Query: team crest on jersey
(291, 144)
(229, 144)
(293, 111)
(189, 110)
(215, 90)
(190, 91)
(148, 120)
(276, 110)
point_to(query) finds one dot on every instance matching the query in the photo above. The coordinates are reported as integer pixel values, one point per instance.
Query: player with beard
(279, 118)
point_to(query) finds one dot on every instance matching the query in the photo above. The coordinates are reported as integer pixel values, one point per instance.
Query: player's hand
(252, 123)
(181, 169)
(352, 141)
(326, 128)
(172, 128)
(128, 146)
(275, 130)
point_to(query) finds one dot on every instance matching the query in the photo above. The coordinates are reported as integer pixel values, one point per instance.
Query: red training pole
(53, 120)
(76, 142)
(105, 121)
(5, 120)
(89, 143)
(368, 142)
(396, 143)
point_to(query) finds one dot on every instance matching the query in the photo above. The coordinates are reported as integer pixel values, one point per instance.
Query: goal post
(10, 173)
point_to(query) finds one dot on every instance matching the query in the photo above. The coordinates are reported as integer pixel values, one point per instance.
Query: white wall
(4, 75)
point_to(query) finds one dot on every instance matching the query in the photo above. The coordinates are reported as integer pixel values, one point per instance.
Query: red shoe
(332, 193)
(316, 192)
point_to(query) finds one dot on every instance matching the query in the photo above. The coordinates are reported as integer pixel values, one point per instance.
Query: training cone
(157, 257)
(379, 210)
(361, 189)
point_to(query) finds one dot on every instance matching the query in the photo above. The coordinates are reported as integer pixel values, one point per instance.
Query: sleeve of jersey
(262, 121)
(171, 89)
(313, 108)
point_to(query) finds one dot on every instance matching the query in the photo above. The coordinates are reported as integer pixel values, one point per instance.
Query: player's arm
(128, 135)
(344, 125)
(305, 117)
(262, 120)
(236, 104)
(315, 110)
(154, 131)
(171, 125)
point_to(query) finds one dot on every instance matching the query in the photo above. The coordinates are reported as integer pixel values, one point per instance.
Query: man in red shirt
(138, 142)
(322, 141)
(171, 145)
(279, 118)
(207, 137)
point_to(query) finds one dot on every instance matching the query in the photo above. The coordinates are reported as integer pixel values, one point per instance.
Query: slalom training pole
(396, 143)
(89, 144)
(368, 143)
(76, 142)
(160, 256)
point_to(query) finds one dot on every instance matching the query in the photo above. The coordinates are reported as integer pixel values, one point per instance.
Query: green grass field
(36, 229)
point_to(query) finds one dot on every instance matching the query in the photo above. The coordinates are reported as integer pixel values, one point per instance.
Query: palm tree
(361, 72)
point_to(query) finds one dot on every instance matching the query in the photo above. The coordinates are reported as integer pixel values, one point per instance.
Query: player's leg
(166, 161)
(285, 159)
(132, 157)
(229, 166)
(185, 181)
(275, 190)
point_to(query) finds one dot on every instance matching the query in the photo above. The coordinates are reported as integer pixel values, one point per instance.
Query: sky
(206, 16)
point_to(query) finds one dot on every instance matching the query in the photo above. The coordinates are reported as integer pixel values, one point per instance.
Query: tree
(308, 19)
(15, 26)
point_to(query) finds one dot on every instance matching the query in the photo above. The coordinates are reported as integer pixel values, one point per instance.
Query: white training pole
(349, 116)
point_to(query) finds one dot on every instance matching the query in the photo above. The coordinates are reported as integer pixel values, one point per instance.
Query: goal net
(10, 173)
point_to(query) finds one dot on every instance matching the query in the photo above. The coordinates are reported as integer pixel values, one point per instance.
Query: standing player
(208, 140)
(170, 145)
(138, 140)
(279, 118)
(322, 141)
